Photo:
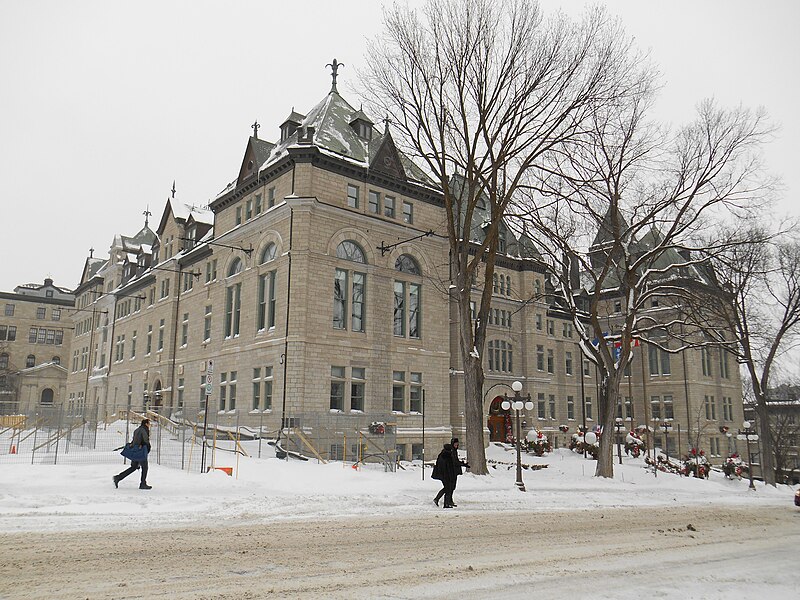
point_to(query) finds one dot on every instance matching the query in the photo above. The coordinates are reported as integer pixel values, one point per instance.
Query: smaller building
(783, 408)
(34, 340)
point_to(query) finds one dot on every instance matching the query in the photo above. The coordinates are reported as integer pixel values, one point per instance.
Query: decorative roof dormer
(362, 125)
(290, 125)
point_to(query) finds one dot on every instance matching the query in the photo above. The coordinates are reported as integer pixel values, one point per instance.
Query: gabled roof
(255, 155)
(606, 233)
(181, 212)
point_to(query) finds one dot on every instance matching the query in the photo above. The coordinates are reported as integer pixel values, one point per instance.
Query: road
(709, 552)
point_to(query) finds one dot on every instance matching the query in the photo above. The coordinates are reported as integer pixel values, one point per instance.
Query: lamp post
(748, 434)
(518, 402)
(666, 427)
(619, 425)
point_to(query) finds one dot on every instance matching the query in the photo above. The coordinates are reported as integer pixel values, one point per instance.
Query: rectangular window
(727, 408)
(588, 405)
(239, 215)
(9, 310)
(705, 359)
(161, 335)
(32, 335)
(388, 206)
(723, 364)
(12, 333)
(652, 353)
(232, 391)
(655, 408)
(266, 301)
(271, 197)
(133, 344)
(415, 393)
(267, 388)
(340, 299)
(149, 340)
(414, 317)
(3, 333)
(552, 403)
(666, 369)
(41, 313)
(586, 368)
(223, 390)
(357, 389)
(539, 358)
(188, 281)
(541, 406)
(359, 284)
(568, 363)
(669, 412)
(259, 204)
(352, 196)
(408, 212)
(551, 327)
(374, 202)
(399, 308)
(570, 408)
(55, 314)
(337, 388)
(181, 386)
(248, 210)
(185, 330)
(207, 325)
(256, 388)
(233, 308)
(398, 391)
(550, 361)
(539, 322)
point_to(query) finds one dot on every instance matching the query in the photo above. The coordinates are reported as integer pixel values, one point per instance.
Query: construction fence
(184, 439)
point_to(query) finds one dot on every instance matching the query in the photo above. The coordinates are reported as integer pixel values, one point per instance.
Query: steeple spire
(334, 72)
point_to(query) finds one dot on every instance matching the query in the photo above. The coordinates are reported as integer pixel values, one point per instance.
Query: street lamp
(619, 425)
(666, 427)
(518, 402)
(748, 434)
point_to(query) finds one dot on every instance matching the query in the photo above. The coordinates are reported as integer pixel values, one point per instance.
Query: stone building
(314, 289)
(35, 337)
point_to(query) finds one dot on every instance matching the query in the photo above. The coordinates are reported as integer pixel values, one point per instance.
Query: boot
(144, 486)
(436, 501)
(116, 481)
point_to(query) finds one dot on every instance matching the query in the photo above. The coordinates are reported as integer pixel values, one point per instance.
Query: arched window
(349, 287)
(47, 397)
(407, 264)
(30, 361)
(267, 254)
(349, 250)
(407, 299)
(56, 360)
(236, 267)
(3, 360)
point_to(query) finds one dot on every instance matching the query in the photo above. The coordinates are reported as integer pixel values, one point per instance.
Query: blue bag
(135, 453)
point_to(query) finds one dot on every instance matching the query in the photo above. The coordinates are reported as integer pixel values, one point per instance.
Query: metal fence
(84, 435)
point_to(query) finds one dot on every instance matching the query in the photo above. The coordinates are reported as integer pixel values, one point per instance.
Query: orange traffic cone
(13, 449)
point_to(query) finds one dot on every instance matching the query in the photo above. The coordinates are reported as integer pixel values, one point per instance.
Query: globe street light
(518, 402)
(748, 434)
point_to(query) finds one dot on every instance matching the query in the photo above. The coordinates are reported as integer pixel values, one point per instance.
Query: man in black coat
(141, 437)
(447, 469)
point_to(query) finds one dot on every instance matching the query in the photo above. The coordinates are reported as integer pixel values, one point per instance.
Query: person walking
(444, 470)
(458, 466)
(141, 438)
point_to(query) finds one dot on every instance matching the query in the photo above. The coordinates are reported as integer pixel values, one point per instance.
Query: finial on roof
(386, 122)
(334, 72)
(91, 252)
(255, 126)
(173, 189)
(146, 214)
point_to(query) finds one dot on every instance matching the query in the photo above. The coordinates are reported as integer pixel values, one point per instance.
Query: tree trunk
(473, 415)
(767, 459)
(605, 412)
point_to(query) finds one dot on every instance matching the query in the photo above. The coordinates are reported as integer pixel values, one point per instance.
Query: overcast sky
(104, 104)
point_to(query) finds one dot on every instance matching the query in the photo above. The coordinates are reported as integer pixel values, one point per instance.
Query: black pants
(135, 464)
(447, 492)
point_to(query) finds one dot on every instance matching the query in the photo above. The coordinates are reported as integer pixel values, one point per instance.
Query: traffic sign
(209, 387)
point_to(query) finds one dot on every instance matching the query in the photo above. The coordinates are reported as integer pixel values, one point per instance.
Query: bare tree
(646, 197)
(761, 308)
(478, 91)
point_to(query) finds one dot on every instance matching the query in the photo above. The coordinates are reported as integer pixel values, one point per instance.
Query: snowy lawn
(82, 497)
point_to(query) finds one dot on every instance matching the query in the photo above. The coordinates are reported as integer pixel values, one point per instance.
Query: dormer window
(290, 125)
(362, 125)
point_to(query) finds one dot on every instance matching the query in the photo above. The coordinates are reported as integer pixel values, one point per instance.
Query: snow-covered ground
(79, 501)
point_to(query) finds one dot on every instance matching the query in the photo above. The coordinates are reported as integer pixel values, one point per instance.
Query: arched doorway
(499, 422)
(157, 395)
